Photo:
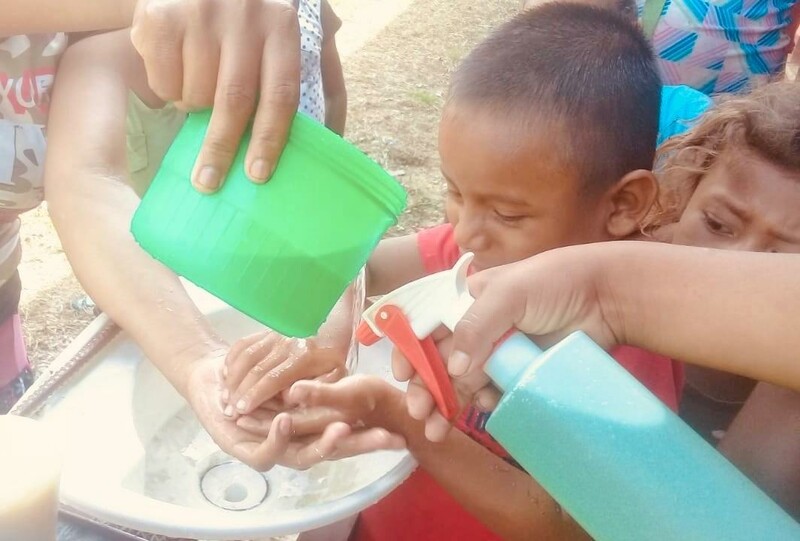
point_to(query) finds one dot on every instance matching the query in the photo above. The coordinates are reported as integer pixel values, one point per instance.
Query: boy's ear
(630, 201)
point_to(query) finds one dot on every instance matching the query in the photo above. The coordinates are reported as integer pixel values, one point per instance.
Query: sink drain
(234, 486)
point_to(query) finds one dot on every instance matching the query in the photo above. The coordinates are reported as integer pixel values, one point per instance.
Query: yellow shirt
(150, 133)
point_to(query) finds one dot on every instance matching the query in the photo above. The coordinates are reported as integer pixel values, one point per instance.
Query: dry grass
(49, 288)
(396, 84)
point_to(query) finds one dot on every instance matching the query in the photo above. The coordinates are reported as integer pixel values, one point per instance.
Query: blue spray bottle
(622, 464)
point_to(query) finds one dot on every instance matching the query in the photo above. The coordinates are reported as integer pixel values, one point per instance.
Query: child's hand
(359, 400)
(261, 366)
(356, 415)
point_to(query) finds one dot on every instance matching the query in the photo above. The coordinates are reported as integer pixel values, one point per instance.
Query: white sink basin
(137, 456)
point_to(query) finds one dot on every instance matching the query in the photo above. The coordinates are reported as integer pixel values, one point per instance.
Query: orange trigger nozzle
(423, 356)
(366, 335)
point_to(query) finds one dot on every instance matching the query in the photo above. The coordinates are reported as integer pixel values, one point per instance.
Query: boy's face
(508, 196)
(743, 203)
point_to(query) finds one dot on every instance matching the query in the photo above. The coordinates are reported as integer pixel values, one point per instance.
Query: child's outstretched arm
(504, 498)
(501, 496)
(394, 263)
(332, 75)
(764, 442)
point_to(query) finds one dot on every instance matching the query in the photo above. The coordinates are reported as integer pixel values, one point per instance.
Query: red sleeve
(437, 248)
(662, 375)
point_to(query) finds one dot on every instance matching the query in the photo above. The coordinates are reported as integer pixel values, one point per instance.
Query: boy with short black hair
(547, 139)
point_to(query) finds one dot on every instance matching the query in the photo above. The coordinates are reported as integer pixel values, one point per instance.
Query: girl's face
(744, 202)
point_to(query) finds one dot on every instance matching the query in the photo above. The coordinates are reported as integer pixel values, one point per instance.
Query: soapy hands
(238, 56)
(204, 392)
(308, 423)
(334, 423)
(290, 421)
(371, 408)
(329, 421)
(536, 296)
(256, 449)
(260, 367)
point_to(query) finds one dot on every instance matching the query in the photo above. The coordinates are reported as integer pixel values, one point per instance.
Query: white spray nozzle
(440, 298)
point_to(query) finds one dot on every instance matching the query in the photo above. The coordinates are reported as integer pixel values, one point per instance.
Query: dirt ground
(397, 57)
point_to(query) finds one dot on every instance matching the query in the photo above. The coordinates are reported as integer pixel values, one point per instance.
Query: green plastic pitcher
(281, 252)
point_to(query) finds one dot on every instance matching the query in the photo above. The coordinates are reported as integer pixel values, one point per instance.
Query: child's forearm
(333, 87)
(337, 331)
(504, 498)
(395, 262)
(91, 206)
(45, 16)
(336, 112)
(764, 442)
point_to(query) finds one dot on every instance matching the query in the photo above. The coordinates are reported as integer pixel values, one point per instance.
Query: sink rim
(134, 510)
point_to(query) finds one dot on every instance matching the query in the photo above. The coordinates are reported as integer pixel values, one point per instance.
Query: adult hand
(204, 388)
(547, 296)
(224, 53)
(259, 367)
